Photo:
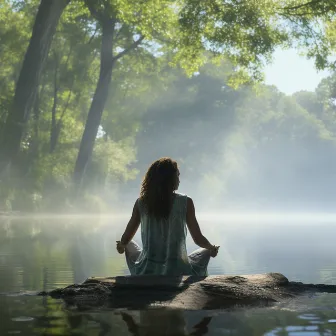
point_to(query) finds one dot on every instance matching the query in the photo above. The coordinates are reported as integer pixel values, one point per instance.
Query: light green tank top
(164, 242)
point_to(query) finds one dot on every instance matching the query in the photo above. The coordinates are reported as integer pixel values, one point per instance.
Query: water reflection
(172, 322)
(43, 254)
(50, 318)
(47, 254)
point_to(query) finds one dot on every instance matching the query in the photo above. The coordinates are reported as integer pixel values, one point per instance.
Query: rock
(187, 292)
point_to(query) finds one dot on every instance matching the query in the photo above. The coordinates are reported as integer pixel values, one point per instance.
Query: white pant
(198, 258)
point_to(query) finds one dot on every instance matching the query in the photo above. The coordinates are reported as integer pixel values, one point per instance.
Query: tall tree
(47, 18)
(124, 26)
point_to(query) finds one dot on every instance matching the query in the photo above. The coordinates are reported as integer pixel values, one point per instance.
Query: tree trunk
(34, 143)
(46, 20)
(98, 102)
(53, 126)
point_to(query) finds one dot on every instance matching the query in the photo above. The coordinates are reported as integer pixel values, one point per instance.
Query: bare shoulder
(190, 205)
(136, 205)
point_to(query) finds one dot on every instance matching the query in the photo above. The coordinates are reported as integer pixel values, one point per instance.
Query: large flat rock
(187, 292)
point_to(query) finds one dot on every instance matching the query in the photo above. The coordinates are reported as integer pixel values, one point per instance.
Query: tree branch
(307, 4)
(91, 6)
(317, 7)
(122, 28)
(127, 50)
(68, 56)
(93, 35)
(67, 102)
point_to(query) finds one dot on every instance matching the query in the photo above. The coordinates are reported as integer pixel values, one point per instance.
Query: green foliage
(15, 30)
(312, 25)
(51, 140)
(246, 32)
(187, 79)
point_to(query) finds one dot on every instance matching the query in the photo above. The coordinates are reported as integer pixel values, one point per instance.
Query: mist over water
(298, 246)
(43, 253)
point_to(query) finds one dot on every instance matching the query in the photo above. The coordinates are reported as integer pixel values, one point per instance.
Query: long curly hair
(158, 186)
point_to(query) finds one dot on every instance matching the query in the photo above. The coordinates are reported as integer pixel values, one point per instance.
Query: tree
(14, 40)
(245, 31)
(248, 31)
(124, 27)
(44, 28)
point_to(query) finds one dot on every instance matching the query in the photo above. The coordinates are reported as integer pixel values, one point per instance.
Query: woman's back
(164, 241)
(164, 216)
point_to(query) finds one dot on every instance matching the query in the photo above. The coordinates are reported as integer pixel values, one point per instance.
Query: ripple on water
(312, 318)
(299, 331)
(332, 321)
(22, 319)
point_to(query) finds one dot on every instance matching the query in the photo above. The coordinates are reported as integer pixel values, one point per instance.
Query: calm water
(45, 253)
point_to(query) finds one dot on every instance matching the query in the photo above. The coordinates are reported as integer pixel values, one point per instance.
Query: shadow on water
(171, 321)
(150, 323)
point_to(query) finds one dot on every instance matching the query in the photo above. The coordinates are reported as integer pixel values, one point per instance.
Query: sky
(291, 72)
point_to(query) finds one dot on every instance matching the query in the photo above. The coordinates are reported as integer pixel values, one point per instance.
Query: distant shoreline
(224, 217)
(20, 214)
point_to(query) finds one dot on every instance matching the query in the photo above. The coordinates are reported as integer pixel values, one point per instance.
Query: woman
(163, 214)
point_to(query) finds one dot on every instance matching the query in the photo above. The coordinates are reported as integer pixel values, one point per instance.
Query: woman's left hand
(120, 247)
(214, 251)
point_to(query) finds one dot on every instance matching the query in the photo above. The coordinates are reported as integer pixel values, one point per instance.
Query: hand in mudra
(120, 247)
(214, 251)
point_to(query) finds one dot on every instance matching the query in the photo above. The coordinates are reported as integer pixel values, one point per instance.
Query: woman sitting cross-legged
(164, 216)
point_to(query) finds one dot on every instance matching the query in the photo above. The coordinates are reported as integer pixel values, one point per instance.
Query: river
(47, 252)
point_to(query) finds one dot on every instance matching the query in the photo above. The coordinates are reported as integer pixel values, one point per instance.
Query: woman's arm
(195, 230)
(130, 230)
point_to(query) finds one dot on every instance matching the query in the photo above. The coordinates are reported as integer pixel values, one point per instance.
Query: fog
(242, 150)
(245, 150)
(86, 141)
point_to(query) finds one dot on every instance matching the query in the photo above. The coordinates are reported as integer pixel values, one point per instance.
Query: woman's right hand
(214, 251)
(120, 247)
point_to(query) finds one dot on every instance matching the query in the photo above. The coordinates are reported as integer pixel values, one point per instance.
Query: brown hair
(158, 186)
